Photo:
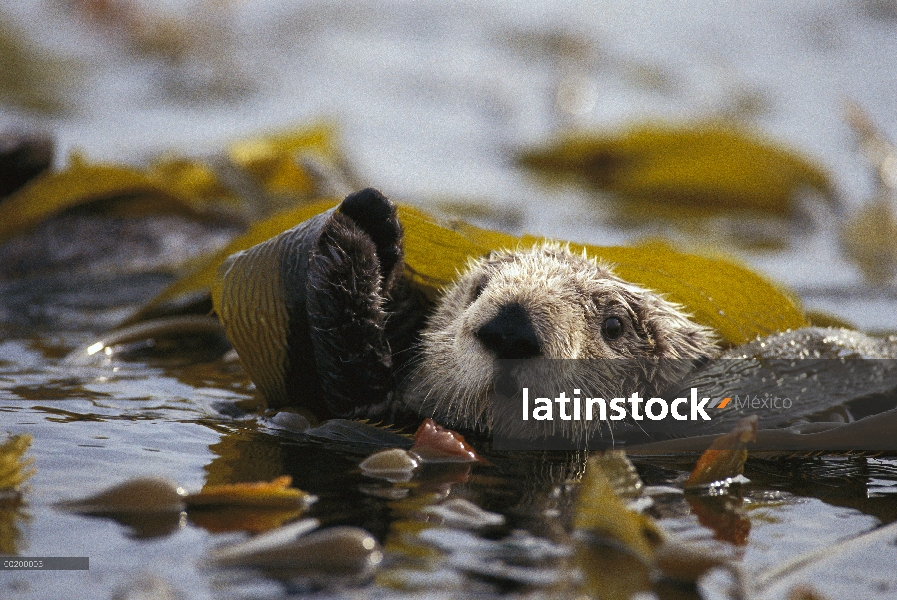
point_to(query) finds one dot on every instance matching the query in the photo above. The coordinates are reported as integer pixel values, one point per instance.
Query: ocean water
(432, 100)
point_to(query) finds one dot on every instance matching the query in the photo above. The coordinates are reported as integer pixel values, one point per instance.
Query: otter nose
(510, 334)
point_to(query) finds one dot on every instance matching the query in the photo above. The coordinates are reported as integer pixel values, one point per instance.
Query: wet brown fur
(567, 297)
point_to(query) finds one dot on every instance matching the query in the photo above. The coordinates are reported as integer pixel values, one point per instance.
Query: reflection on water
(96, 426)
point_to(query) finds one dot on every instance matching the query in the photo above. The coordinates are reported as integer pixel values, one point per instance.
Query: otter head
(545, 302)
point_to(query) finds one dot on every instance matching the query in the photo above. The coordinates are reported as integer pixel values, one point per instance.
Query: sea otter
(328, 318)
(546, 302)
(336, 328)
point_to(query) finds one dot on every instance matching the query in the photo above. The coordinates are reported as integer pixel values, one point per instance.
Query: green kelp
(30, 77)
(269, 168)
(601, 510)
(131, 229)
(14, 469)
(869, 236)
(739, 304)
(81, 183)
(621, 550)
(255, 506)
(292, 162)
(698, 169)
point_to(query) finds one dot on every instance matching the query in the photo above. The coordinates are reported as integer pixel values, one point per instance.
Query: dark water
(95, 426)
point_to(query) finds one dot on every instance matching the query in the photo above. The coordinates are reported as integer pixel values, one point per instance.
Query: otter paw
(351, 268)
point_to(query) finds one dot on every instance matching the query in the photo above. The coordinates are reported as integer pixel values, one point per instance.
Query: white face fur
(544, 302)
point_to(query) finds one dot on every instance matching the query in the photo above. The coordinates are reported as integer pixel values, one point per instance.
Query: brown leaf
(276, 493)
(434, 443)
(726, 456)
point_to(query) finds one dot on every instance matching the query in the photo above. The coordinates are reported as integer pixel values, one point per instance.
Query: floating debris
(272, 494)
(393, 465)
(603, 522)
(254, 507)
(14, 469)
(333, 553)
(434, 443)
(621, 474)
(290, 421)
(458, 512)
(143, 495)
(725, 458)
(601, 515)
(149, 507)
(703, 168)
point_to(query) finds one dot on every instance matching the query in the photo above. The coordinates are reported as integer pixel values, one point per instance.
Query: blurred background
(760, 131)
(436, 103)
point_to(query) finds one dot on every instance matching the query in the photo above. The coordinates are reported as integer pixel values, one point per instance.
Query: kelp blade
(710, 167)
(176, 187)
(739, 304)
(273, 159)
(202, 279)
(174, 184)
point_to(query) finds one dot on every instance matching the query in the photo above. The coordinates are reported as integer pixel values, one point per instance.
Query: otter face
(545, 302)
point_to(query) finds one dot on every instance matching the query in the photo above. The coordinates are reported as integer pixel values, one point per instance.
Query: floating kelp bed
(184, 427)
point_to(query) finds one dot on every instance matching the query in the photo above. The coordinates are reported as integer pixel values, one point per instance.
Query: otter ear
(672, 332)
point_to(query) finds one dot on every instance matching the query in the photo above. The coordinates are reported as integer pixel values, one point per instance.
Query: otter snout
(510, 334)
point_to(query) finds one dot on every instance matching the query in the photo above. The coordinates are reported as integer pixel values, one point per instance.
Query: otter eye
(612, 328)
